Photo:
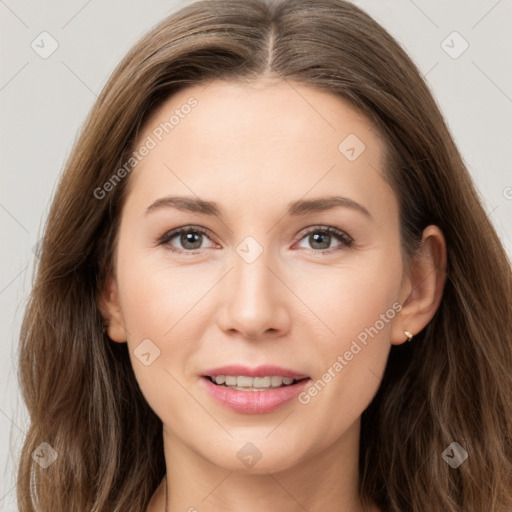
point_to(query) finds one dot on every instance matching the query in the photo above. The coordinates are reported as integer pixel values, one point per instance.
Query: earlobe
(423, 289)
(110, 309)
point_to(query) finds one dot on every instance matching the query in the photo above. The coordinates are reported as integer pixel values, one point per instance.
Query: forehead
(246, 142)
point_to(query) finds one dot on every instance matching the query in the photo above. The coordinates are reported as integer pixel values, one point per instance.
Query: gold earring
(409, 335)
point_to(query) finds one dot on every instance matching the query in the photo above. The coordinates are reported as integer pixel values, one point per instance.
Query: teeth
(252, 382)
(245, 382)
(230, 381)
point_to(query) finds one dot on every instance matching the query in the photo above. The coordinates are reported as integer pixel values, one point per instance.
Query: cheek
(147, 297)
(343, 301)
(155, 293)
(352, 342)
(351, 330)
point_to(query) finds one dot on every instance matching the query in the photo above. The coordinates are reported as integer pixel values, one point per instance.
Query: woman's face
(262, 283)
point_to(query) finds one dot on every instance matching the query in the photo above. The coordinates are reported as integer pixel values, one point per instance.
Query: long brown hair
(453, 383)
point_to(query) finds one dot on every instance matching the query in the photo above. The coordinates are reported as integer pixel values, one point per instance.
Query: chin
(273, 463)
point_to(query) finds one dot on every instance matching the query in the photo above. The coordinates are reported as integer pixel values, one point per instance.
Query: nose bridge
(251, 298)
(251, 276)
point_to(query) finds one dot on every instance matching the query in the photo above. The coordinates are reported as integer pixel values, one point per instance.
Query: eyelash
(343, 237)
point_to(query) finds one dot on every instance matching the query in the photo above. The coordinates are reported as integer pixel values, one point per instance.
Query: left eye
(323, 235)
(191, 239)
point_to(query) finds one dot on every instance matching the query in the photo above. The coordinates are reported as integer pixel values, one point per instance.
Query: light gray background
(45, 101)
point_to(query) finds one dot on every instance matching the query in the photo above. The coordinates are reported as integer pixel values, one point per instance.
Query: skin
(253, 149)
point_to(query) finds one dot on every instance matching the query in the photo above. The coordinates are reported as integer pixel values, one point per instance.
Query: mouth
(247, 383)
(264, 390)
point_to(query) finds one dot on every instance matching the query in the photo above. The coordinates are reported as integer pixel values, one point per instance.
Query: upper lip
(266, 370)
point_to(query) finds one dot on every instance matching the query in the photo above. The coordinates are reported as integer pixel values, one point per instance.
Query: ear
(110, 310)
(422, 289)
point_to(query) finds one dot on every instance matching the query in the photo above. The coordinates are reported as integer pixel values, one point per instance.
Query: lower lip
(254, 402)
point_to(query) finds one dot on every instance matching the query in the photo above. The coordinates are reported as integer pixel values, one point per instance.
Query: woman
(255, 369)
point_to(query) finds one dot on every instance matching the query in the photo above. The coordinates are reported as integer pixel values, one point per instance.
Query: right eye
(190, 238)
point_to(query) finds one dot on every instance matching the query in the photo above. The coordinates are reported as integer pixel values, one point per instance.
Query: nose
(253, 300)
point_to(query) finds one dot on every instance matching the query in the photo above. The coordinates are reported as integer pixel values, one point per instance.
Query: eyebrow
(296, 208)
